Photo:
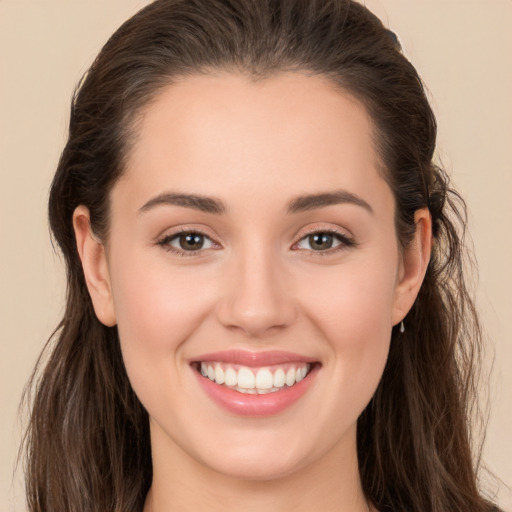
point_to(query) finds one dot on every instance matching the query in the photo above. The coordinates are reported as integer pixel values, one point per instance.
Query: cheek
(351, 309)
(157, 308)
(157, 311)
(353, 301)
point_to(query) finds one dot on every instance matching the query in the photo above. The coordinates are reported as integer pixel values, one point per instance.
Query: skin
(259, 286)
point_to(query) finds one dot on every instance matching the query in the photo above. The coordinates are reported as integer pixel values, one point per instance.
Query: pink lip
(255, 405)
(253, 359)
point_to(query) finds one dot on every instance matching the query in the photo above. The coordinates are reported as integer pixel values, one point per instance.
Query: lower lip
(268, 404)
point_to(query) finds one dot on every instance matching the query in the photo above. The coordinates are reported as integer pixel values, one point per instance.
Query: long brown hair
(87, 444)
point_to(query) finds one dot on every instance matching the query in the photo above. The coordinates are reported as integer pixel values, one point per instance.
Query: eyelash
(165, 242)
(345, 242)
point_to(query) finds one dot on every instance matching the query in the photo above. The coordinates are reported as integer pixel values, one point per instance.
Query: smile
(251, 380)
(255, 384)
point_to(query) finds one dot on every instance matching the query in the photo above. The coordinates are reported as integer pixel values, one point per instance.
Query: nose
(257, 301)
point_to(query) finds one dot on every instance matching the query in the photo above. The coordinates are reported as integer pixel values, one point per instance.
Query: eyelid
(346, 240)
(170, 235)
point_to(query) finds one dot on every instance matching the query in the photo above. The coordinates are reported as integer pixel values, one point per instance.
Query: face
(253, 270)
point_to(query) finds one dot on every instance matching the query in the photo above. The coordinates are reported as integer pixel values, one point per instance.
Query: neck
(330, 484)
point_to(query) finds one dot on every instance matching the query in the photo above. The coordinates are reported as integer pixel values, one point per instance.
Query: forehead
(291, 132)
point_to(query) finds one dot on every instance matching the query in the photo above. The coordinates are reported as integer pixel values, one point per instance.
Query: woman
(266, 303)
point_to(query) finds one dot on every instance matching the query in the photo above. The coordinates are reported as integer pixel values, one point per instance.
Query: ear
(94, 264)
(413, 267)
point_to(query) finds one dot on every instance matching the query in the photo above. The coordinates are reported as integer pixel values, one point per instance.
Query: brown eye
(191, 241)
(186, 242)
(321, 241)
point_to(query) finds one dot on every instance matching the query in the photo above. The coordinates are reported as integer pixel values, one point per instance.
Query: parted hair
(87, 446)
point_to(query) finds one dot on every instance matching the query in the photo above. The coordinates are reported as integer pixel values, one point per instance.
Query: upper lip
(254, 359)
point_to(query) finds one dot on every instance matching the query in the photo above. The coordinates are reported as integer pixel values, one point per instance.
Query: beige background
(463, 50)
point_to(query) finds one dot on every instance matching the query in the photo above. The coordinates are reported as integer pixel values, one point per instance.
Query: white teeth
(246, 378)
(219, 374)
(300, 373)
(279, 378)
(252, 381)
(264, 379)
(290, 377)
(231, 378)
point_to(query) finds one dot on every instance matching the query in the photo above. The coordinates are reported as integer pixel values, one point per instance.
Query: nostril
(258, 318)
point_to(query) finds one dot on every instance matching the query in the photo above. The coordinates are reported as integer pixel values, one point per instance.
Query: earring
(402, 327)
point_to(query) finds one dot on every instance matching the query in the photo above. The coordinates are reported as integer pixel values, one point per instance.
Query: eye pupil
(191, 241)
(321, 241)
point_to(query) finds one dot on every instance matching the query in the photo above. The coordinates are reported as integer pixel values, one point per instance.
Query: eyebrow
(313, 201)
(216, 206)
(196, 202)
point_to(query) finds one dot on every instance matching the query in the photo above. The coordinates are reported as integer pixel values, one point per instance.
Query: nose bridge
(256, 300)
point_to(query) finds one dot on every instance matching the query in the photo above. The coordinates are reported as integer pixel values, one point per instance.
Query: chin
(261, 454)
(257, 467)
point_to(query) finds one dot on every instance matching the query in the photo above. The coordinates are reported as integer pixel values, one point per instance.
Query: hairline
(132, 122)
